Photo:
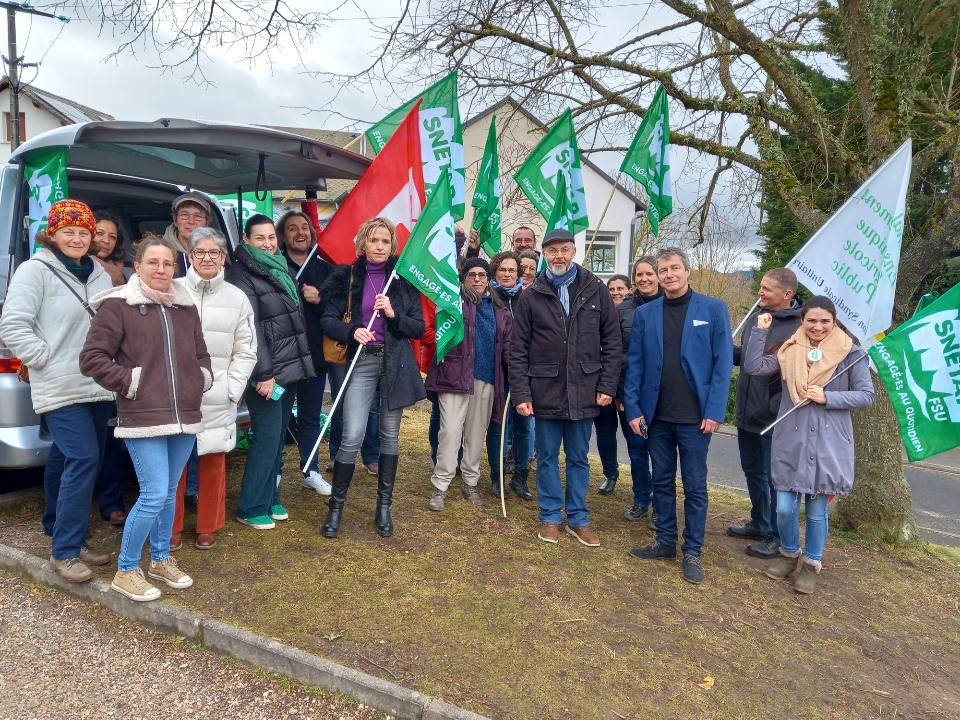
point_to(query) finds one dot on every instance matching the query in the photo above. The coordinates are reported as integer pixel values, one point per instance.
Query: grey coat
(813, 448)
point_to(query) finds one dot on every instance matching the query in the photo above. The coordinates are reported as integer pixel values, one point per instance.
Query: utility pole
(13, 62)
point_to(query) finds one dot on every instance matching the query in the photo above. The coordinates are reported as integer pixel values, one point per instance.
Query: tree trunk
(878, 508)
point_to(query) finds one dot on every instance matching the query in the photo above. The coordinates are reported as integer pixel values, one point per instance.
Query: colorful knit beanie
(67, 213)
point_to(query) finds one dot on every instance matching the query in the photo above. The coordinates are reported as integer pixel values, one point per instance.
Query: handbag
(335, 352)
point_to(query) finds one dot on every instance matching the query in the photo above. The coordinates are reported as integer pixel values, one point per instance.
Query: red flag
(392, 187)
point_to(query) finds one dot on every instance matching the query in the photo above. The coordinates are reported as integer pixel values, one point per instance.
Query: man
(565, 359)
(298, 238)
(675, 392)
(523, 239)
(190, 211)
(758, 399)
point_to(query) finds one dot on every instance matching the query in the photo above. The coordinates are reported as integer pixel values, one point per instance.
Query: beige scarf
(799, 372)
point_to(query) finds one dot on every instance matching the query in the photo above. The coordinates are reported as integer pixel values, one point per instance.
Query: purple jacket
(455, 373)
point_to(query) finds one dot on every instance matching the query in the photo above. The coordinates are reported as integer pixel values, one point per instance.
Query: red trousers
(212, 494)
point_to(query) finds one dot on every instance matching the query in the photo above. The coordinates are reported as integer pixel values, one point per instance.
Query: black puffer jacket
(404, 384)
(758, 396)
(625, 312)
(283, 352)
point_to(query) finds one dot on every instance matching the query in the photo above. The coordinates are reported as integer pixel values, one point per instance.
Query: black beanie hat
(472, 262)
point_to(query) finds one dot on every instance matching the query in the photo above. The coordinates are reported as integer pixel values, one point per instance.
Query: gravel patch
(61, 658)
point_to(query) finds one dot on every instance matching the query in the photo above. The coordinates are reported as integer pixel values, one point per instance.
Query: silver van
(137, 169)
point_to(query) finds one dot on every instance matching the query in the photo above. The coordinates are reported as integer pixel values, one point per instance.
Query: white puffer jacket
(45, 325)
(227, 321)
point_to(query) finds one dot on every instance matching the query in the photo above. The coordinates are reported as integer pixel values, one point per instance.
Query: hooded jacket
(226, 319)
(758, 397)
(45, 325)
(283, 351)
(403, 382)
(560, 363)
(153, 357)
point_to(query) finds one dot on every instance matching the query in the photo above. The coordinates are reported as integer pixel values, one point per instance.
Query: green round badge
(815, 354)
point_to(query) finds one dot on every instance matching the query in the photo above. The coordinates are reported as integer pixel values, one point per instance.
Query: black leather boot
(342, 475)
(609, 485)
(385, 480)
(519, 484)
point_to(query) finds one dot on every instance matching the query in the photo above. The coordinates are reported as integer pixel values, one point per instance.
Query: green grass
(471, 607)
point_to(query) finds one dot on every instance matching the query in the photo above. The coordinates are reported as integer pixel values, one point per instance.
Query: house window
(8, 130)
(602, 258)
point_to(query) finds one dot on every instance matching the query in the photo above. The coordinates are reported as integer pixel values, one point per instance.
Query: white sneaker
(315, 481)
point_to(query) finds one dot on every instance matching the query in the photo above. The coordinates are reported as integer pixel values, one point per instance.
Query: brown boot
(471, 495)
(806, 581)
(71, 569)
(782, 568)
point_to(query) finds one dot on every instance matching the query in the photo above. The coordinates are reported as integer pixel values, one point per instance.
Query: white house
(40, 111)
(518, 132)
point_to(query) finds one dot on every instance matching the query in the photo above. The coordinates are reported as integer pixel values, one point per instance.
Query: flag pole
(745, 318)
(346, 379)
(602, 215)
(805, 402)
(503, 438)
(354, 141)
(312, 252)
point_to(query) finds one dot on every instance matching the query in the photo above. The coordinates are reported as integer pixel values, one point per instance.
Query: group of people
(161, 360)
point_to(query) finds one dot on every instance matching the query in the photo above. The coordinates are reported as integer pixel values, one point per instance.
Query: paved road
(936, 494)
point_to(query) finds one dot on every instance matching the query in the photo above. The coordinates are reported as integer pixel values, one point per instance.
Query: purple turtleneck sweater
(372, 286)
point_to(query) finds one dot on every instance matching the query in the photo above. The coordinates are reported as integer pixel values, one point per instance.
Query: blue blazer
(706, 354)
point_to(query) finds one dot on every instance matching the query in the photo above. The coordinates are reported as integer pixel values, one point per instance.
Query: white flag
(853, 258)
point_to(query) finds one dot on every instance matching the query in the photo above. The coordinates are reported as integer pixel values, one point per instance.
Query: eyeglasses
(196, 217)
(554, 250)
(154, 264)
(476, 276)
(507, 271)
(212, 254)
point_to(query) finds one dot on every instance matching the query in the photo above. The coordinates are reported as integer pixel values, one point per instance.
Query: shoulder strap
(61, 278)
(350, 294)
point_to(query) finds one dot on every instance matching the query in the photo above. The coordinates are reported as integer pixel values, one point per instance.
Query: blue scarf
(562, 284)
(511, 291)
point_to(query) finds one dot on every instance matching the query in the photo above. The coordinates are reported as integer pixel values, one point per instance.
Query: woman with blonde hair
(356, 294)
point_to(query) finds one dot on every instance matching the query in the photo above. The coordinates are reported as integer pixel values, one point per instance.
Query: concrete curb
(239, 644)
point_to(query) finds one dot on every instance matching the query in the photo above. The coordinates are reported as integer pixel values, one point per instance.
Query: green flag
(537, 177)
(46, 173)
(648, 159)
(429, 261)
(561, 216)
(919, 364)
(441, 137)
(486, 198)
(251, 206)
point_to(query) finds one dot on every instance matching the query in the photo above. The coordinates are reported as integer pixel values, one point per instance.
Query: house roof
(336, 189)
(66, 111)
(511, 102)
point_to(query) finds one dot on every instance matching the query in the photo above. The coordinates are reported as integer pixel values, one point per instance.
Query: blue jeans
(666, 439)
(818, 523)
(639, 464)
(575, 435)
(606, 425)
(110, 479)
(159, 462)
(193, 472)
(362, 390)
(268, 422)
(79, 432)
(309, 406)
(755, 462)
(370, 449)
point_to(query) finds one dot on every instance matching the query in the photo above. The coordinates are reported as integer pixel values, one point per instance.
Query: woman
(647, 289)
(469, 384)
(110, 246)
(146, 345)
(813, 451)
(529, 262)
(386, 363)
(110, 252)
(44, 323)
(227, 322)
(606, 422)
(506, 284)
(283, 359)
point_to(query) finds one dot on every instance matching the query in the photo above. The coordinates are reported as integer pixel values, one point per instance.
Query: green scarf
(276, 265)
